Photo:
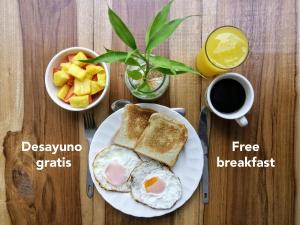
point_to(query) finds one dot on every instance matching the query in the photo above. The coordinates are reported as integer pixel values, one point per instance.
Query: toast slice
(135, 120)
(163, 139)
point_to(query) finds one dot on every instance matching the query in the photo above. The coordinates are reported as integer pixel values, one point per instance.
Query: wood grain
(35, 30)
(297, 127)
(267, 193)
(85, 38)
(11, 111)
(94, 32)
(185, 90)
(41, 197)
(128, 10)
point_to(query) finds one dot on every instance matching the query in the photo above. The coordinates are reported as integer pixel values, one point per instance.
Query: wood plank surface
(185, 90)
(297, 126)
(253, 195)
(11, 111)
(42, 197)
(36, 30)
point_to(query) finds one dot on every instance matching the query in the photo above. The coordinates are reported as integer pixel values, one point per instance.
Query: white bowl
(52, 89)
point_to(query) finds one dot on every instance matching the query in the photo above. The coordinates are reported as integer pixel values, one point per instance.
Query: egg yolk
(115, 173)
(150, 182)
(154, 185)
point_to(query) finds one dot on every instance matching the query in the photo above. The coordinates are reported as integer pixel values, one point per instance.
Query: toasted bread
(135, 120)
(163, 139)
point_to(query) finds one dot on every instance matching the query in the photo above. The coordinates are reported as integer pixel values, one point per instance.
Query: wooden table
(33, 31)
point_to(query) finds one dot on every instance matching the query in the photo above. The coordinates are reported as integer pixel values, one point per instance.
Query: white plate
(188, 166)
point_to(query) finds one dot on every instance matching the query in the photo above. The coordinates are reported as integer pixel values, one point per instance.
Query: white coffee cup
(238, 115)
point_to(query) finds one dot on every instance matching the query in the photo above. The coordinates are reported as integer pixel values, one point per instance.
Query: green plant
(158, 31)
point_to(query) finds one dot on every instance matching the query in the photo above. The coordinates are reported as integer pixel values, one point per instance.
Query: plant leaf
(159, 61)
(135, 74)
(131, 62)
(180, 67)
(112, 56)
(157, 23)
(121, 29)
(129, 55)
(164, 33)
(166, 71)
(108, 50)
(168, 66)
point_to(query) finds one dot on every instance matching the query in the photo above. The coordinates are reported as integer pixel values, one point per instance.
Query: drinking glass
(225, 48)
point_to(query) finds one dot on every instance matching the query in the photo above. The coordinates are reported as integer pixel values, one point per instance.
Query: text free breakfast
(246, 162)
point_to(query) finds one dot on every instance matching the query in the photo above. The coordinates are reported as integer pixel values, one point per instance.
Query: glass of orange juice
(225, 48)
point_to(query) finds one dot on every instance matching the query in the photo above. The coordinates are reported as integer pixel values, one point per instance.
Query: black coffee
(227, 95)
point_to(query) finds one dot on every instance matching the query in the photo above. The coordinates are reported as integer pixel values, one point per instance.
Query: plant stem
(141, 55)
(147, 69)
(144, 58)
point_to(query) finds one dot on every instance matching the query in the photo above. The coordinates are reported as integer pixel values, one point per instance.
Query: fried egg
(155, 185)
(113, 166)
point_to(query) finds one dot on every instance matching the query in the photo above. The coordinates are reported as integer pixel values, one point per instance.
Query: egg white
(165, 200)
(125, 157)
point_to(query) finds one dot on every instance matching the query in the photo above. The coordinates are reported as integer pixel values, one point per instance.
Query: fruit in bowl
(76, 85)
(78, 82)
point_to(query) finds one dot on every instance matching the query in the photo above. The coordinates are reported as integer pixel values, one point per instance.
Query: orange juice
(225, 48)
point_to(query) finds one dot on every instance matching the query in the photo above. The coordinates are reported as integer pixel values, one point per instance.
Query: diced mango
(92, 70)
(63, 91)
(79, 56)
(82, 87)
(69, 94)
(65, 66)
(101, 78)
(77, 72)
(89, 76)
(60, 78)
(95, 87)
(79, 101)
